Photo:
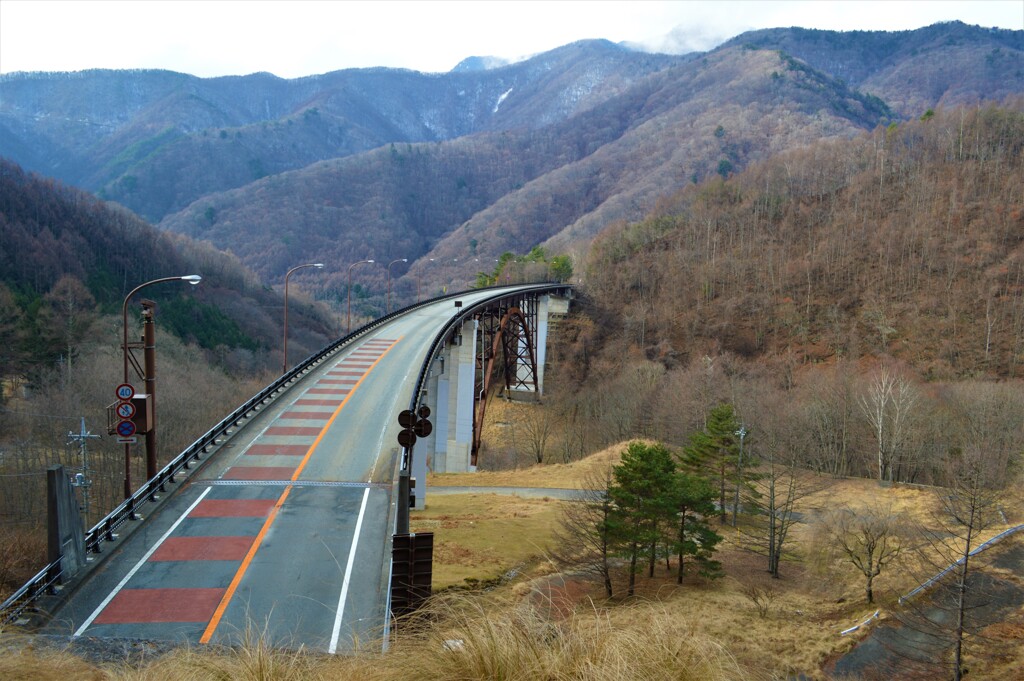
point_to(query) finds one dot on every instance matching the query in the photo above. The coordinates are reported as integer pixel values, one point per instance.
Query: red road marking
(319, 415)
(320, 403)
(203, 548)
(232, 508)
(259, 473)
(278, 450)
(161, 605)
(293, 430)
(326, 391)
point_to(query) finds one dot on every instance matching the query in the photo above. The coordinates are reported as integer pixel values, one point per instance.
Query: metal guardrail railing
(47, 579)
(981, 547)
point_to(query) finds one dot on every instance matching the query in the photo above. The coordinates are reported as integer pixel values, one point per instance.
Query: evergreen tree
(695, 503)
(643, 495)
(714, 452)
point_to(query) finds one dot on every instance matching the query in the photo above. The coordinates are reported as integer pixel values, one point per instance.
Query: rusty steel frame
(507, 326)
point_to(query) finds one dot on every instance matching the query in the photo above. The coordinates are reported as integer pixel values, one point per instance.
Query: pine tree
(643, 497)
(714, 452)
(695, 503)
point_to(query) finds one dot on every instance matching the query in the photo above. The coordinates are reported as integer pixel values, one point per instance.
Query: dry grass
(556, 626)
(482, 536)
(551, 476)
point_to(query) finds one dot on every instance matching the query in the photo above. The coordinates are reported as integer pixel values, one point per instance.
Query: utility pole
(83, 479)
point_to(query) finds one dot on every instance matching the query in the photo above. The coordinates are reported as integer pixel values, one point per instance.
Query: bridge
(279, 520)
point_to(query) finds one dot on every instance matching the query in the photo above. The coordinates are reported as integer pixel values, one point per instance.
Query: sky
(306, 37)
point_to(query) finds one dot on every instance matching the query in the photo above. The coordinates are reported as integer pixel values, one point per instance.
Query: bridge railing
(549, 287)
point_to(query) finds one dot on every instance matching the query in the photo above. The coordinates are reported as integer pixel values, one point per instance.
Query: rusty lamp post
(348, 323)
(318, 265)
(150, 378)
(388, 307)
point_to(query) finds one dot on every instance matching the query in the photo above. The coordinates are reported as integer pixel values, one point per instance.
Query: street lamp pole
(348, 323)
(190, 278)
(388, 308)
(741, 433)
(318, 265)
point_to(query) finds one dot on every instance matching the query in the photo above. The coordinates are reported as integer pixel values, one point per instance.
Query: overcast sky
(299, 38)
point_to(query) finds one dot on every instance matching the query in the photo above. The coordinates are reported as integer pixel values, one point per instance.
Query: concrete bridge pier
(453, 380)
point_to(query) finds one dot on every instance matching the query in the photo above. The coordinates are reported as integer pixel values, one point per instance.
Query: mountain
(482, 195)
(942, 65)
(155, 140)
(460, 167)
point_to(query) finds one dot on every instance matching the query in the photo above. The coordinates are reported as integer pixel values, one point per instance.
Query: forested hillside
(880, 275)
(67, 259)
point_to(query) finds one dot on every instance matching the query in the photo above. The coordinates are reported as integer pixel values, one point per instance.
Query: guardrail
(981, 547)
(47, 579)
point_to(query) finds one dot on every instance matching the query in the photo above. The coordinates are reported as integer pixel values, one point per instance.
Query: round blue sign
(126, 428)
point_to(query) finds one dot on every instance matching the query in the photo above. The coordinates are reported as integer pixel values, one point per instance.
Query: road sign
(125, 391)
(406, 438)
(422, 428)
(127, 440)
(125, 410)
(423, 412)
(407, 419)
(125, 428)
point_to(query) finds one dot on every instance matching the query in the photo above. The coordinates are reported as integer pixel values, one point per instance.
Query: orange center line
(226, 598)
(244, 567)
(351, 391)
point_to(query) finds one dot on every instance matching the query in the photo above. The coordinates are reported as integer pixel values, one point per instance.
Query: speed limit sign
(125, 391)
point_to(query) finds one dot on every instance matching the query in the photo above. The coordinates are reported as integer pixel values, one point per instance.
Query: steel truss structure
(509, 327)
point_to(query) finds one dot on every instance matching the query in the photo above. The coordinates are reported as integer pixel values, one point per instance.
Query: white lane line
(380, 440)
(131, 573)
(348, 575)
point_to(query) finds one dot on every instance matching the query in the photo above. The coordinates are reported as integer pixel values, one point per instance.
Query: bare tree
(868, 537)
(537, 423)
(888, 405)
(583, 539)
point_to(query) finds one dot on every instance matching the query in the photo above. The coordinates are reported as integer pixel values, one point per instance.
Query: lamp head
(192, 279)
(318, 265)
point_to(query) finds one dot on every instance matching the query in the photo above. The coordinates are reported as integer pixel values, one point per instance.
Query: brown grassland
(515, 616)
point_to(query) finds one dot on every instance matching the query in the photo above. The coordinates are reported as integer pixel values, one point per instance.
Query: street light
(348, 324)
(150, 379)
(741, 433)
(388, 308)
(318, 265)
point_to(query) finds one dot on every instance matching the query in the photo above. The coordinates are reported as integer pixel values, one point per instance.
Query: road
(286, 532)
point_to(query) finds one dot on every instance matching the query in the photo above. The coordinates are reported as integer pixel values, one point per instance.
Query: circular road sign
(422, 428)
(423, 412)
(125, 391)
(126, 428)
(406, 438)
(125, 410)
(406, 419)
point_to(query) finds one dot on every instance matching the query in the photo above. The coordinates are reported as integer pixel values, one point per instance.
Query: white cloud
(299, 38)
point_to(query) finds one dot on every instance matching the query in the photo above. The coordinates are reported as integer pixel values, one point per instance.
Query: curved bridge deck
(286, 530)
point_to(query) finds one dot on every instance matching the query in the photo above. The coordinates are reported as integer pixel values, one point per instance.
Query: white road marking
(131, 573)
(348, 575)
